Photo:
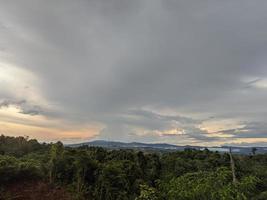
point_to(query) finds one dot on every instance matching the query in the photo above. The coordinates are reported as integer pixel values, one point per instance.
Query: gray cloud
(250, 130)
(101, 60)
(143, 125)
(35, 110)
(6, 103)
(23, 105)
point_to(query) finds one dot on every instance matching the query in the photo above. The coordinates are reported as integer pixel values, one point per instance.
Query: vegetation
(101, 174)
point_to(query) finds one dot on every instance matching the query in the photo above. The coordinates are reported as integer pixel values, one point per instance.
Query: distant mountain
(112, 144)
(164, 147)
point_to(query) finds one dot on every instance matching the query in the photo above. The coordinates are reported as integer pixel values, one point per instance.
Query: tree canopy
(103, 174)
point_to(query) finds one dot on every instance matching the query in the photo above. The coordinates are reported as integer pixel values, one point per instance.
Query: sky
(185, 72)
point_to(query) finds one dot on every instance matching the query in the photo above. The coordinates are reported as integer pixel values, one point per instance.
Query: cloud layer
(184, 72)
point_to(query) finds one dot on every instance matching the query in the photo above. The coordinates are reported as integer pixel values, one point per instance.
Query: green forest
(33, 170)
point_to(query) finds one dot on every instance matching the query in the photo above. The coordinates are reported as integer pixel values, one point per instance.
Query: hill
(166, 147)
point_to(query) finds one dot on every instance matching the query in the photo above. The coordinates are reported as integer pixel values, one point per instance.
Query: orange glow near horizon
(218, 126)
(44, 134)
(13, 123)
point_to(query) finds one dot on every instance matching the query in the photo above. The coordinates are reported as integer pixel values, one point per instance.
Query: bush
(13, 169)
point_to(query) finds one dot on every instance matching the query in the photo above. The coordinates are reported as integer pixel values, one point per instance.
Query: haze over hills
(165, 147)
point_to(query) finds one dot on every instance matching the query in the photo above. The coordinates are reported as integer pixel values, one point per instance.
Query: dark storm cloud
(100, 59)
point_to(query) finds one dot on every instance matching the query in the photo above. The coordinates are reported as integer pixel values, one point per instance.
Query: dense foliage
(101, 174)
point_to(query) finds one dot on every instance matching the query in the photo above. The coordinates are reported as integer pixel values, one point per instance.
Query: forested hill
(30, 170)
(168, 147)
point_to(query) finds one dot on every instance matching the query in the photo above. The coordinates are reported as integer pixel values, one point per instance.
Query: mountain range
(165, 147)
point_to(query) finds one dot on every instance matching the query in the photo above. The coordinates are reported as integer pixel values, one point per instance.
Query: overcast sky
(178, 71)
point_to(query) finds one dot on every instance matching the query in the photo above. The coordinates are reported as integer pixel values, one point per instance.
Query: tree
(148, 193)
(210, 185)
(56, 153)
(112, 183)
(85, 173)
